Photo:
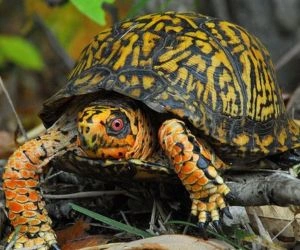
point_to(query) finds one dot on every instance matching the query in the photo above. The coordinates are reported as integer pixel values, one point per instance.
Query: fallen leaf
(89, 242)
(7, 144)
(78, 230)
(277, 221)
(166, 242)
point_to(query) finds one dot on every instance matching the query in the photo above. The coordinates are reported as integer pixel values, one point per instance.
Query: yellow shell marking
(135, 56)
(149, 42)
(282, 137)
(242, 139)
(125, 51)
(148, 82)
(185, 42)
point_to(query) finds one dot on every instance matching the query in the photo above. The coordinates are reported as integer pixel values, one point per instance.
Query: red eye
(117, 124)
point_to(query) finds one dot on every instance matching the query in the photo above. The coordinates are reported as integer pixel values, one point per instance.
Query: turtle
(196, 91)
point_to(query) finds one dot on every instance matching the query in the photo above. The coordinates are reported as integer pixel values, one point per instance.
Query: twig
(32, 133)
(162, 227)
(293, 101)
(295, 50)
(168, 217)
(2, 207)
(13, 109)
(83, 194)
(153, 215)
(50, 176)
(124, 218)
(283, 229)
(58, 49)
(261, 229)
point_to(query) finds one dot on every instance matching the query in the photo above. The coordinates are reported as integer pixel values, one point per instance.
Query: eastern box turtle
(194, 87)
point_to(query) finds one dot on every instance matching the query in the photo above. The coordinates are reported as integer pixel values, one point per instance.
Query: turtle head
(114, 132)
(105, 132)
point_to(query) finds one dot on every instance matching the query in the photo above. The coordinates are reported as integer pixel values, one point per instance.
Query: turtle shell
(206, 71)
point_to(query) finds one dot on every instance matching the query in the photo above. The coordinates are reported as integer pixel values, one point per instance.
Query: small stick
(57, 48)
(39, 129)
(289, 55)
(283, 229)
(153, 215)
(13, 109)
(83, 194)
(124, 217)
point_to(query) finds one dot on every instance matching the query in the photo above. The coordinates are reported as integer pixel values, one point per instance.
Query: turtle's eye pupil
(117, 124)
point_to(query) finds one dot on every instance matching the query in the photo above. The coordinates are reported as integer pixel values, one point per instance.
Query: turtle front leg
(26, 208)
(196, 166)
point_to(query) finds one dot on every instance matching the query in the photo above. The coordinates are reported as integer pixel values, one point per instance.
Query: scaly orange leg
(26, 208)
(196, 166)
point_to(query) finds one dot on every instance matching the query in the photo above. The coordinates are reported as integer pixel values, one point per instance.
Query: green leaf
(111, 222)
(92, 8)
(17, 50)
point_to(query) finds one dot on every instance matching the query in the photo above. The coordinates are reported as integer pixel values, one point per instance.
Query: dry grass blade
(261, 229)
(288, 56)
(115, 224)
(57, 48)
(32, 134)
(13, 109)
(80, 195)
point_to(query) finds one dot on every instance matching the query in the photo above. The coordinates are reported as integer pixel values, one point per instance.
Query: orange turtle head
(106, 132)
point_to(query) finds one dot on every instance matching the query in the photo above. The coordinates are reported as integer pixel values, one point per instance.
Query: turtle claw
(217, 225)
(55, 247)
(226, 211)
(208, 218)
(229, 196)
(202, 228)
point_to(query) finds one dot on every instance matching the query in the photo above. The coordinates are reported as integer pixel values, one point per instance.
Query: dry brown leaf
(89, 242)
(75, 237)
(277, 221)
(73, 232)
(7, 144)
(298, 122)
(274, 218)
(168, 242)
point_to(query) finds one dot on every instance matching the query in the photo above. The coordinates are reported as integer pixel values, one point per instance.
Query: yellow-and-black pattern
(208, 71)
